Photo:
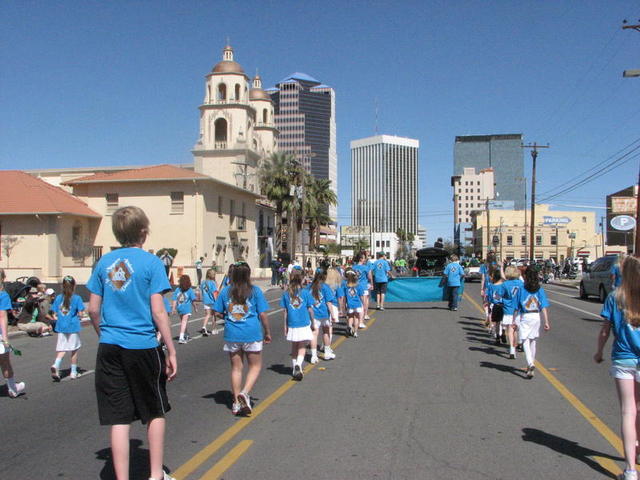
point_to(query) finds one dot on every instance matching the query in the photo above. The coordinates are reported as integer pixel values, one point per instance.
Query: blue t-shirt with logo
(380, 269)
(363, 273)
(617, 280)
(242, 320)
(626, 344)
(510, 292)
(68, 318)
(454, 273)
(528, 302)
(125, 279)
(352, 295)
(5, 304)
(208, 288)
(495, 292)
(320, 308)
(184, 300)
(297, 308)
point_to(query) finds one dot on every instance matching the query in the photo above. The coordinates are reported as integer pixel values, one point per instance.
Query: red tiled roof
(154, 173)
(21, 193)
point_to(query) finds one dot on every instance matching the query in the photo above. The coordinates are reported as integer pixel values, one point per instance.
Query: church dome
(258, 94)
(228, 65)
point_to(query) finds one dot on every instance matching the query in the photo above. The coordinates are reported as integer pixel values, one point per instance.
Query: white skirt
(68, 342)
(529, 326)
(299, 334)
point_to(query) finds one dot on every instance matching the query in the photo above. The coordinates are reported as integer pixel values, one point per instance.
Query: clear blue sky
(118, 83)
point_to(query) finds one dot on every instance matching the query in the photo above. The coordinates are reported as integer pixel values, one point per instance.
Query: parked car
(472, 271)
(596, 280)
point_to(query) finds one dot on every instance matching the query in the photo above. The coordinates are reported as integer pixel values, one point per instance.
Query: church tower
(228, 148)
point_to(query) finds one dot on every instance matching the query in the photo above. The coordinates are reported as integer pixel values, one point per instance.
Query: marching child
(322, 298)
(298, 319)
(246, 328)
(351, 293)
(510, 290)
(14, 389)
(531, 303)
(493, 295)
(209, 290)
(621, 313)
(183, 298)
(68, 306)
(334, 281)
(126, 308)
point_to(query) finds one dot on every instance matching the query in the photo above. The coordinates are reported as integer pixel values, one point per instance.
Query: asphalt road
(421, 394)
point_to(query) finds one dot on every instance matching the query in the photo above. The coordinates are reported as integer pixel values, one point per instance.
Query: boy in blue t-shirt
(381, 269)
(126, 307)
(454, 274)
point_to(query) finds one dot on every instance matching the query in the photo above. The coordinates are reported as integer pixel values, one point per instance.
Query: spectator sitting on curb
(28, 319)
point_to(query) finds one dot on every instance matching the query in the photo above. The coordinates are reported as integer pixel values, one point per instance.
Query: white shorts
(299, 334)
(333, 310)
(183, 314)
(355, 310)
(369, 287)
(529, 326)
(624, 372)
(509, 320)
(233, 347)
(68, 342)
(322, 322)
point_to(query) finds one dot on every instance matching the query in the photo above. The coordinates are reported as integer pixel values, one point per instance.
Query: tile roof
(154, 173)
(21, 193)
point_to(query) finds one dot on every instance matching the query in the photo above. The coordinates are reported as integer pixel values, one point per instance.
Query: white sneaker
(355, 334)
(20, 387)
(629, 475)
(328, 354)
(165, 476)
(314, 359)
(366, 317)
(298, 374)
(55, 373)
(73, 375)
(182, 340)
(362, 325)
(245, 403)
(235, 408)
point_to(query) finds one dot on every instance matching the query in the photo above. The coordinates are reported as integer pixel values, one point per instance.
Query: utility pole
(534, 155)
(634, 73)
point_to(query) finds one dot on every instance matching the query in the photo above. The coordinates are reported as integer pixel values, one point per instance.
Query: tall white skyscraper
(384, 183)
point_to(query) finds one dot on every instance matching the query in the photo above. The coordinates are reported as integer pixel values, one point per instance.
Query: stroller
(17, 292)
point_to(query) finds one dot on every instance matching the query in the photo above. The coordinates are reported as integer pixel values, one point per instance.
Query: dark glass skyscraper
(305, 117)
(503, 153)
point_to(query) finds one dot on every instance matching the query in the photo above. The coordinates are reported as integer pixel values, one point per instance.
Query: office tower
(384, 183)
(305, 116)
(503, 153)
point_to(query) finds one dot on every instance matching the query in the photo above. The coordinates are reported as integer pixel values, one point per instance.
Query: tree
(362, 243)
(278, 176)
(318, 198)
(9, 242)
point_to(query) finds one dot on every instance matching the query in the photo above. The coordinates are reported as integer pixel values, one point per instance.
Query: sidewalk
(566, 282)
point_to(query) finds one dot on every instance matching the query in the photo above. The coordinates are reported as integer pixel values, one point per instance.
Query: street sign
(548, 220)
(623, 222)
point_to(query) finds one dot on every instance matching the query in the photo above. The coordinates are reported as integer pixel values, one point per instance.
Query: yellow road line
(199, 458)
(227, 461)
(591, 417)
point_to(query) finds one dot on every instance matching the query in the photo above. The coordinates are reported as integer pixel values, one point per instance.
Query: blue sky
(118, 83)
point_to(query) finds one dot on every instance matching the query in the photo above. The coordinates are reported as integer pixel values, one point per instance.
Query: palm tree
(277, 175)
(320, 197)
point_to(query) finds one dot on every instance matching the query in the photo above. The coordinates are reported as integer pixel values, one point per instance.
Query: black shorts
(380, 287)
(130, 384)
(496, 313)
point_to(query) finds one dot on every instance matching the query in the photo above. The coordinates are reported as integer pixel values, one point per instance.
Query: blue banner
(416, 289)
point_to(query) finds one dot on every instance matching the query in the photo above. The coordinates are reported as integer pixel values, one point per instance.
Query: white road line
(576, 309)
(575, 295)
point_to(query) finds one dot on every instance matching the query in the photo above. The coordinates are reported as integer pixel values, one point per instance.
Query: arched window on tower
(220, 132)
(265, 115)
(222, 91)
(237, 91)
(209, 99)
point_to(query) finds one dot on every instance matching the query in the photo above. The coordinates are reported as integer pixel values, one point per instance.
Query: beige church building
(209, 209)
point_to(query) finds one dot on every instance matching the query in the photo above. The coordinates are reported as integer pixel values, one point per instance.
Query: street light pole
(534, 155)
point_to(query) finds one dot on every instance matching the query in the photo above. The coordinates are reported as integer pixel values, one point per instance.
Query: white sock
(526, 346)
(299, 360)
(512, 350)
(314, 352)
(294, 362)
(11, 384)
(181, 336)
(57, 362)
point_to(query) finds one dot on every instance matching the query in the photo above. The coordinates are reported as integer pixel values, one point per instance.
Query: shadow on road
(504, 368)
(280, 368)
(138, 463)
(568, 448)
(476, 321)
(490, 351)
(594, 320)
(221, 397)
